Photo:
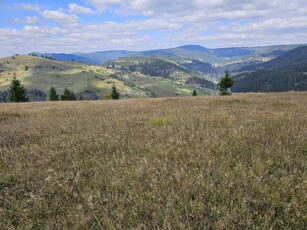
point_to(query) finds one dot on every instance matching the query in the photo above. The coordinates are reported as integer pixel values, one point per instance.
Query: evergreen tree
(72, 96)
(194, 93)
(17, 92)
(68, 95)
(115, 93)
(53, 96)
(225, 84)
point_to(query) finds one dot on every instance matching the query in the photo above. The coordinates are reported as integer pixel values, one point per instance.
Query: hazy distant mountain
(69, 57)
(102, 57)
(232, 52)
(220, 56)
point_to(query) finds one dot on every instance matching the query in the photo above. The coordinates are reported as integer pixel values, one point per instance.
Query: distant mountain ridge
(218, 56)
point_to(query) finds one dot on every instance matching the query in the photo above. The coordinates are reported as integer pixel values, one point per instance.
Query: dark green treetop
(68, 95)
(225, 84)
(17, 91)
(115, 94)
(53, 96)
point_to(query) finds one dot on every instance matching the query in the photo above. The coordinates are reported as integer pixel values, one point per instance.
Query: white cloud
(60, 16)
(76, 9)
(25, 6)
(211, 23)
(27, 20)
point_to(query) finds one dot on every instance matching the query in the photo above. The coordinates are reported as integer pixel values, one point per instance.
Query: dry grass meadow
(235, 162)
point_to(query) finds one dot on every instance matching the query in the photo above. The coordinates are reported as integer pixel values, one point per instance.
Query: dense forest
(287, 78)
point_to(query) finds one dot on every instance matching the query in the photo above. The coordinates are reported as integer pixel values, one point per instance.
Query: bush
(107, 96)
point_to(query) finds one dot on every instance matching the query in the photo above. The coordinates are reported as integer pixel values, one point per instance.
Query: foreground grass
(234, 162)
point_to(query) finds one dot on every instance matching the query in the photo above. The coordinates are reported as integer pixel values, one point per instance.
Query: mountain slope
(153, 66)
(164, 68)
(275, 80)
(201, 67)
(284, 73)
(295, 56)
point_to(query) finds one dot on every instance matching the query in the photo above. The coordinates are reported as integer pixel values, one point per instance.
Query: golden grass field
(235, 162)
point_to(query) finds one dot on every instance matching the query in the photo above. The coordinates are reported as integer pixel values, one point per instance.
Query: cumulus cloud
(76, 9)
(60, 16)
(152, 24)
(26, 6)
(27, 20)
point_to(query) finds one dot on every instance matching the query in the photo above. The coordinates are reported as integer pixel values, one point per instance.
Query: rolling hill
(92, 81)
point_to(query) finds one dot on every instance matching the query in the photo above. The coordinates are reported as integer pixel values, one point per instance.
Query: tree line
(18, 93)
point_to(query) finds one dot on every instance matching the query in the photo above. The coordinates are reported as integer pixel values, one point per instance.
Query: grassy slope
(44, 73)
(176, 163)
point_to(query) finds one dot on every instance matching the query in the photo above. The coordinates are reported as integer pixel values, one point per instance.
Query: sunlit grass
(234, 162)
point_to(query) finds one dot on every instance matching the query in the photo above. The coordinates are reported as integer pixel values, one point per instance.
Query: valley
(157, 73)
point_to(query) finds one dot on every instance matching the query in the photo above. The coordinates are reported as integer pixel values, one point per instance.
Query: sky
(70, 26)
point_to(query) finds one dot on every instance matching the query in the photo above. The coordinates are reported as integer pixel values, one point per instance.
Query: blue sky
(94, 25)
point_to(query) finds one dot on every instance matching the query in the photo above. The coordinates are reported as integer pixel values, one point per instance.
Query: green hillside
(154, 66)
(41, 73)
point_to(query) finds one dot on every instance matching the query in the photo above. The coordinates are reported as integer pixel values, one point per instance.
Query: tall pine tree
(17, 92)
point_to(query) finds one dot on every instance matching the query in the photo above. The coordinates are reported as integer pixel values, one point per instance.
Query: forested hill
(292, 57)
(284, 73)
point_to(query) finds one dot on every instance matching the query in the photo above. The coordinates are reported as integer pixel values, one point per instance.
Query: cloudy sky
(94, 25)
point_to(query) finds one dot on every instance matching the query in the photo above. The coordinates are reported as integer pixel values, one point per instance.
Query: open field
(235, 162)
